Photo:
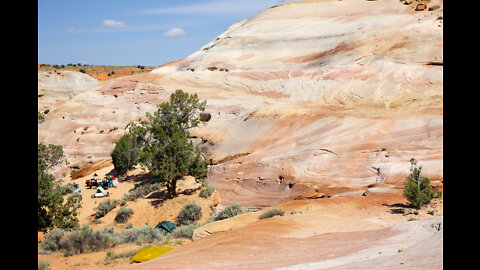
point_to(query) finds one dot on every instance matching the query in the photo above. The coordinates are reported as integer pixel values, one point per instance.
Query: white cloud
(175, 32)
(217, 7)
(113, 24)
(70, 29)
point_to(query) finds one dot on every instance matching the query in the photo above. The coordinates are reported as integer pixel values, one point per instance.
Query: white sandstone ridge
(69, 82)
(356, 52)
(62, 85)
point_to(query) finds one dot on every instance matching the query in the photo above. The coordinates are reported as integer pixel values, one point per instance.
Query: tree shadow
(188, 191)
(139, 178)
(159, 197)
(398, 208)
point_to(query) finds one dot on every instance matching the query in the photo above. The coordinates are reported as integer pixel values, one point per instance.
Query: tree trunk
(172, 188)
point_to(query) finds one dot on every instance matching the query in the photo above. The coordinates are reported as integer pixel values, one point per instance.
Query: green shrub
(190, 213)
(52, 240)
(140, 235)
(202, 180)
(86, 240)
(112, 255)
(126, 153)
(105, 207)
(123, 214)
(207, 192)
(417, 189)
(41, 117)
(229, 211)
(66, 189)
(185, 231)
(43, 265)
(272, 212)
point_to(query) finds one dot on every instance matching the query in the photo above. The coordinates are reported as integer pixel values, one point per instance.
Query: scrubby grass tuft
(142, 234)
(207, 192)
(86, 240)
(272, 212)
(123, 214)
(185, 231)
(229, 211)
(105, 207)
(52, 240)
(43, 265)
(190, 213)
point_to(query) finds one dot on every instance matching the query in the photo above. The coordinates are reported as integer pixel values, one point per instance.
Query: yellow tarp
(149, 253)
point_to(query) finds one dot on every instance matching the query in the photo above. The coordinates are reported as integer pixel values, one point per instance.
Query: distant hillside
(99, 72)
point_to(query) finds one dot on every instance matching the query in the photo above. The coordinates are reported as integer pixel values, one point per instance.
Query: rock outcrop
(308, 95)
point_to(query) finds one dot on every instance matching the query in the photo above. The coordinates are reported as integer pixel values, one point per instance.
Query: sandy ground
(312, 230)
(334, 228)
(150, 210)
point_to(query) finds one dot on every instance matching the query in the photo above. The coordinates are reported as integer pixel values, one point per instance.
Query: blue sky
(134, 32)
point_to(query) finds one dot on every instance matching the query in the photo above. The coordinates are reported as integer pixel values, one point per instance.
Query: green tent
(149, 253)
(166, 226)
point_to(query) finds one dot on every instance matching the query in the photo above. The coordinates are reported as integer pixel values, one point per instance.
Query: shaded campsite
(154, 209)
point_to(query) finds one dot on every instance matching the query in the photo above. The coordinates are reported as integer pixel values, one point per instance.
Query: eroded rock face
(57, 87)
(309, 95)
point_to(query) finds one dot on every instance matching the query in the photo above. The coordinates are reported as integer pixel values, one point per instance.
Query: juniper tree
(416, 188)
(53, 209)
(167, 150)
(126, 153)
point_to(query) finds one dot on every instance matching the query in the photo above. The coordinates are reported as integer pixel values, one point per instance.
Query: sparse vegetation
(207, 192)
(112, 256)
(140, 235)
(105, 207)
(417, 189)
(123, 214)
(41, 117)
(80, 241)
(66, 189)
(100, 72)
(43, 265)
(185, 231)
(229, 211)
(87, 240)
(271, 213)
(190, 213)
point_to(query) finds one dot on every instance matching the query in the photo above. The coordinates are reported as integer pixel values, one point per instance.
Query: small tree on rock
(417, 189)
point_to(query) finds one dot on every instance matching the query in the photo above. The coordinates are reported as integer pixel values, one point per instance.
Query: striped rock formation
(327, 96)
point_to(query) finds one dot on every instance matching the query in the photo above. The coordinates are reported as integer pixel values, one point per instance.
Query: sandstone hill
(312, 104)
(327, 96)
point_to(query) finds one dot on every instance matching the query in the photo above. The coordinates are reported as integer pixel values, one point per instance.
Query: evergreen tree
(126, 153)
(167, 150)
(417, 189)
(53, 211)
